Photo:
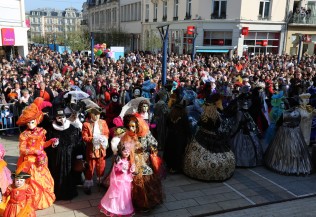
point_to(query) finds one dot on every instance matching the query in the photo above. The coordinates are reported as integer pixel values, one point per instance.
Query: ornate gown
(5, 176)
(306, 112)
(147, 187)
(117, 201)
(62, 160)
(208, 157)
(288, 153)
(245, 142)
(41, 181)
(20, 202)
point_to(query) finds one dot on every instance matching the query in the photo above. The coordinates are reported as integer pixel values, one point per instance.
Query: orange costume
(94, 157)
(33, 158)
(20, 202)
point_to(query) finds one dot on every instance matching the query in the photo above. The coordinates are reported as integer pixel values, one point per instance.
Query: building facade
(115, 18)
(14, 28)
(222, 26)
(46, 23)
(301, 28)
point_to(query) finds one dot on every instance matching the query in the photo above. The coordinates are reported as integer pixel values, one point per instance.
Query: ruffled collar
(63, 127)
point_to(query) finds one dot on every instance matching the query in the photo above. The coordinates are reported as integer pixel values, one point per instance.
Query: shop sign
(307, 38)
(264, 43)
(245, 30)
(8, 37)
(190, 30)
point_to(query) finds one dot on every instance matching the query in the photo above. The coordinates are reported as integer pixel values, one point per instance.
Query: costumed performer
(147, 187)
(19, 196)
(178, 136)
(95, 134)
(245, 142)
(208, 157)
(307, 112)
(33, 158)
(277, 102)
(288, 153)
(63, 156)
(117, 201)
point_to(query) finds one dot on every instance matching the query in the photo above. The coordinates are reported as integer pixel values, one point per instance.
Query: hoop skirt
(245, 142)
(288, 153)
(41, 181)
(208, 157)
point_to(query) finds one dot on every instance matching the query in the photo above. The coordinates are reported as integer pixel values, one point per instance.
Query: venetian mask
(145, 108)
(32, 124)
(132, 126)
(61, 119)
(114, 98)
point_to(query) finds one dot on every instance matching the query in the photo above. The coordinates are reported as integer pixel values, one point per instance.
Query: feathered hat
(31, 112)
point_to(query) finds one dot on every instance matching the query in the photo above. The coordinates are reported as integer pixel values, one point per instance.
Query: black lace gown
(288, 152)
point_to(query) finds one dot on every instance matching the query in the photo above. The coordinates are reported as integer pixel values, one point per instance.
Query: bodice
(291, 118)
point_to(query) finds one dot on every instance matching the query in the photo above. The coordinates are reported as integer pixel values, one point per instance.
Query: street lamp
(163, 30)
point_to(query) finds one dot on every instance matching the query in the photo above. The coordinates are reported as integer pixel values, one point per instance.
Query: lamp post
(92, 48)
(300, 39)
(163, 30)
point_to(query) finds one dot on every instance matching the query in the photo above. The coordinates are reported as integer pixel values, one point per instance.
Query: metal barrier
(10, 113)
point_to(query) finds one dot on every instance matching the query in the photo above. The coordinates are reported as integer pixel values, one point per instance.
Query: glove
(55, 142)
(79, 157)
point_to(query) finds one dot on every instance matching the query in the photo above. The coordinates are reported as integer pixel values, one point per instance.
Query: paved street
(250, 192)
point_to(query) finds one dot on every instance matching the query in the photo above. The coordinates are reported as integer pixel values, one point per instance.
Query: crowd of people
(214, 113)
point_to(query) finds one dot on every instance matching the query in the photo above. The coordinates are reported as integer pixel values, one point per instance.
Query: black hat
(213, 98)
(21, 175)
(60, 112)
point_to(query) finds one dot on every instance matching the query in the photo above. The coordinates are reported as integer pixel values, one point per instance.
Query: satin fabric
(19, 198)
(5, 176)
(41, 180)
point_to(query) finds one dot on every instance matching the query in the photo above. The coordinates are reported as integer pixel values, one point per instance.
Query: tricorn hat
(21, 175)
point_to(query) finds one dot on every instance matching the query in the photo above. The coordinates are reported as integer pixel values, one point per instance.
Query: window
(155, 11)
(164, 16)
(147, 13)
(264, 9)
(176, 8)
(188, 9)
(217, 38)
(219, 9)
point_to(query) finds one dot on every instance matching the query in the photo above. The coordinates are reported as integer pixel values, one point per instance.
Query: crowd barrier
(10, 113)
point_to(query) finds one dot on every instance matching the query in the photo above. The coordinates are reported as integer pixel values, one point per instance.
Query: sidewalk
(187, 197)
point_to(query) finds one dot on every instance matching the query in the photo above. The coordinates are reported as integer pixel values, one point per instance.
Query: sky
(58, 4)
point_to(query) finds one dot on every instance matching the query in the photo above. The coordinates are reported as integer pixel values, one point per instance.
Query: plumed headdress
(31, 112)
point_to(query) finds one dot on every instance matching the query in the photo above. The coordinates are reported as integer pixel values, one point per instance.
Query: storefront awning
(211, 51)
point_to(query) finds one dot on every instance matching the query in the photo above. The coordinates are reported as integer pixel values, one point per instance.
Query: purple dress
(117, 201)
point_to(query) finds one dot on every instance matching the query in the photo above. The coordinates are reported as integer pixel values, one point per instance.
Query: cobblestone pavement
(252, 192)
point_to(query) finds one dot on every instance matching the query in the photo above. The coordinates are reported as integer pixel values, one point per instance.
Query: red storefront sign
(8, 37)
(307, 38)
(245, 30)
(190, 30)
(262, 43)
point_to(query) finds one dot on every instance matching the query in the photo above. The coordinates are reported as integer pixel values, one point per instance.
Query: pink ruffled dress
(117, 201)
(5, 174)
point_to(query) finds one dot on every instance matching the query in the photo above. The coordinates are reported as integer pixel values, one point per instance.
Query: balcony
(215, 16)
(268, 18)
(187, 16)
(164, 18)
(303, 19)
(175, 18)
